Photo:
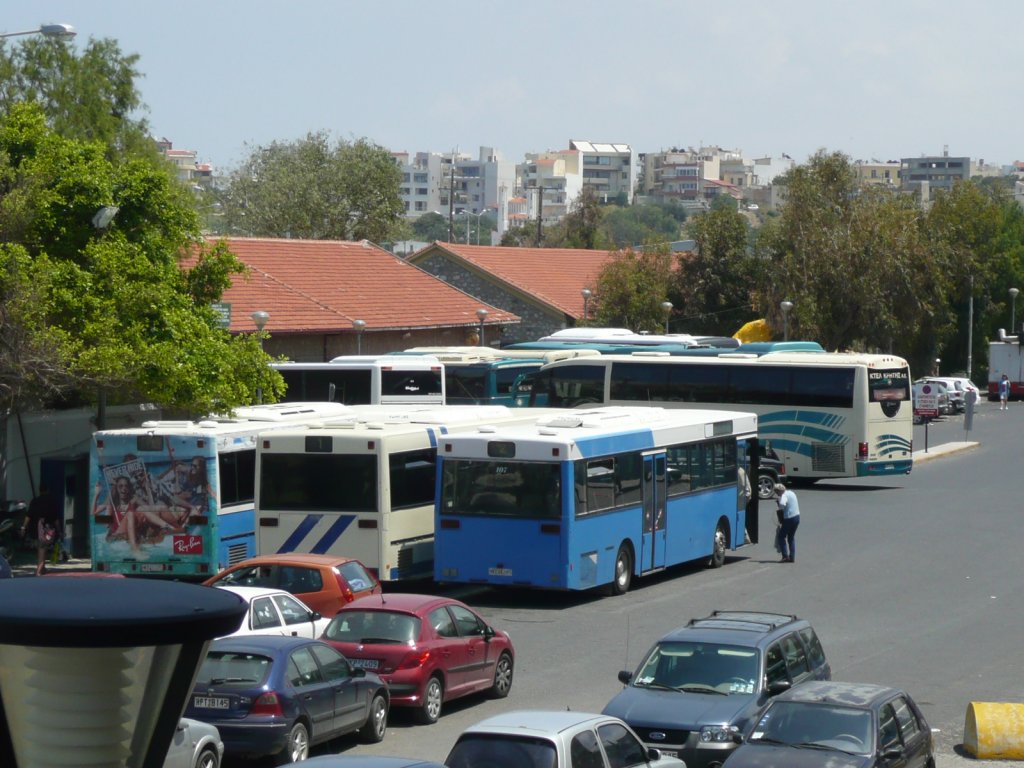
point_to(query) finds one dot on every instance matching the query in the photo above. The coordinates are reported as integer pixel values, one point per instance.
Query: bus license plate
(151, 567)
(499, 571)
(365, 663)
(210, 702)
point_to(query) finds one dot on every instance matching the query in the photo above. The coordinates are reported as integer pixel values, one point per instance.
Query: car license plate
(668, 752)
(499, 571)
(210, 702)
(366, 663)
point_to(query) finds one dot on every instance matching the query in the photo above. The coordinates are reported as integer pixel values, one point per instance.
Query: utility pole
(451, 203)
(540, 211)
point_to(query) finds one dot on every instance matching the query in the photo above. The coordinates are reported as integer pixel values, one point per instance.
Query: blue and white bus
(826, 414)
(176, 498)
(593, 497)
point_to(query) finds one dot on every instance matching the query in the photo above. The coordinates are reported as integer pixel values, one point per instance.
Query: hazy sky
(874, 79)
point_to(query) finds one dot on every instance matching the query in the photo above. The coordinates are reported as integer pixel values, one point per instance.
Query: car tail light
(414, 660)
(862, 450)
(267, 704)
(343, 586)
(782, 469)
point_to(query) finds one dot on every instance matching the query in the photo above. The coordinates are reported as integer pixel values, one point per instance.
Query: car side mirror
(488, 632)
(357, 671)
(315, 616)
(892, 753)
(653, 754)
(778, 686)
(625, 676)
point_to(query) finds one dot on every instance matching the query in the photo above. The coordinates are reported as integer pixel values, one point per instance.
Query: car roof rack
(754, 621)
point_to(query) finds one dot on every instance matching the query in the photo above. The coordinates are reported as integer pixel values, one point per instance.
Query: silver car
(553, 739)
(195, 745)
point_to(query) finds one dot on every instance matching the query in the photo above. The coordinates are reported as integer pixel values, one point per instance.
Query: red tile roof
(317, 286)
(553, 276)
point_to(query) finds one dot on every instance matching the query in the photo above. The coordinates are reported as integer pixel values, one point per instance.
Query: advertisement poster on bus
(151, 507)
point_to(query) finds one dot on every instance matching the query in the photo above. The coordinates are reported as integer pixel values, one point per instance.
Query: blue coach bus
(593, 498)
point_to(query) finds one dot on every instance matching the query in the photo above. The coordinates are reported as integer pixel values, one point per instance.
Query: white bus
(362, 486)
(176, 498)
(825, 414)
(365, 380)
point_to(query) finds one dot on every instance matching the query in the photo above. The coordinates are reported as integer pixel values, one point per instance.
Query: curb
(941, 451)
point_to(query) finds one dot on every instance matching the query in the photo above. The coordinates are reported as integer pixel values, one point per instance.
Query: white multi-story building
(550, 182)
(610, 170)
(455, 183)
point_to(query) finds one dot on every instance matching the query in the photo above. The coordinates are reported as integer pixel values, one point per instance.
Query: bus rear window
(501, 489)
(889, 385)
(406, 383)
(318, 482)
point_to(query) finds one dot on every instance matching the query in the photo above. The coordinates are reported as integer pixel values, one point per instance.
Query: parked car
(276, 696)
(194, 745)
(957, 388)
(771, 470)
(273, 612)
(840, 724)
(555, 739)
(323, 582)
(427, 649)
(701, 685)
(366, 761)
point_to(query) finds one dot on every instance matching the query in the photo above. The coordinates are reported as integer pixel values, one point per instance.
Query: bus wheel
(623, 571)
(718, 547)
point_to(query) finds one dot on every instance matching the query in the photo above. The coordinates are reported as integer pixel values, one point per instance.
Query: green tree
(581, 227)
(431, 227)
(113, 310)
(856, 263)
(631, 288)
(89, 96)
(713, 286)
(642, 224)
(315, 189)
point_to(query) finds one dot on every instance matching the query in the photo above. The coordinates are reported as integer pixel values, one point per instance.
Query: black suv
(701, 685)
(770, 470)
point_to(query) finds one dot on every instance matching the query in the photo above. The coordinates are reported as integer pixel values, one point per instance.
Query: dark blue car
(277, 696)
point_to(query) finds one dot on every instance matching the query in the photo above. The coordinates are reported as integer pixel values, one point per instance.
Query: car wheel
(765, 485)
(377, 721)
(718, 547)
(208, 758)
(502, 677)
(433, 696)
(298, 745)
(623, 575)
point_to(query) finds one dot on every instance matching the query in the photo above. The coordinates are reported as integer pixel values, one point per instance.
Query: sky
(877, 80)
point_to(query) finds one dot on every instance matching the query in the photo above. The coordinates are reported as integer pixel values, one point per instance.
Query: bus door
(654, 490)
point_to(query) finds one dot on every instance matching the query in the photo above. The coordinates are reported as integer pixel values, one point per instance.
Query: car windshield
(499, 751)
(816, 725)
(700, 668)
(368, 627)
(227, 668)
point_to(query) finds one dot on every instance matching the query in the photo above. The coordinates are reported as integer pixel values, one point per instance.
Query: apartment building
(931, 172)
(609, 170)
(187, 165)
(550, 182)
(876, 173)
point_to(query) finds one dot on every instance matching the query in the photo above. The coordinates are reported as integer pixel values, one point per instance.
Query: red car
(323, 582)
(427, 649)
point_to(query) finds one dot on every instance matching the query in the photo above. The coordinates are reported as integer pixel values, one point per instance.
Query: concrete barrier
(994, 731)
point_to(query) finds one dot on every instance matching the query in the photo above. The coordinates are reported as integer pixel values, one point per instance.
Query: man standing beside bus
(789, 509)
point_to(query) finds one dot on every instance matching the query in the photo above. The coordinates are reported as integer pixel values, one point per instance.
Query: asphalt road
(910, 581)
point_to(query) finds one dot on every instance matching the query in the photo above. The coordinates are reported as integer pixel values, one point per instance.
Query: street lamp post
(359, 325)
(482, 314)
(666, 307)
(56, 31)
(938, 361)
(586, 294)
(786, 307)
(260, 318)
(1013, 309)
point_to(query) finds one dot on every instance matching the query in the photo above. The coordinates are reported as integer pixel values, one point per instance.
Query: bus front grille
(828, 457)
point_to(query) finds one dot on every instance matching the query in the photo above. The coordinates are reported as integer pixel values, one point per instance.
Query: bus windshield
(502, 489)
(889, 385)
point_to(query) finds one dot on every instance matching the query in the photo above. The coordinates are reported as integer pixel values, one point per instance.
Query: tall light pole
(786, 307)
(666, 307)
(360, 326)
(260, 318)
(586, 294)
(56, 31)
(482, 314)
(1013, 309)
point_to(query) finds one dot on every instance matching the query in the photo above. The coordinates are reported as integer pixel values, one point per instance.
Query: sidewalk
(943, 450)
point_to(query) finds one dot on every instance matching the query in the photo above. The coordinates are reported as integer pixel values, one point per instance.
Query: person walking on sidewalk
(789, 508)
(1004, 392)
(44, 521)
